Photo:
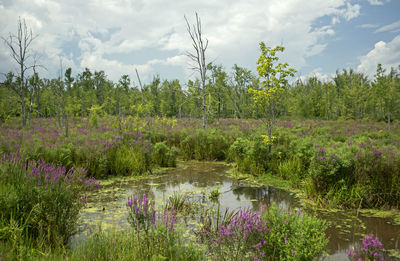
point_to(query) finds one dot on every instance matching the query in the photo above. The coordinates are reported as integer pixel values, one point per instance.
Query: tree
(19, 46)
(121, 89)
(242, 79)
(199, 58)
(274, 80)
(386, 90)
(171, 98)
(35, 87)
(67, 106)
(8, 100)
(218, 82)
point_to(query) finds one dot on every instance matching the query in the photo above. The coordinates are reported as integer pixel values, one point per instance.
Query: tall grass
(39, 202)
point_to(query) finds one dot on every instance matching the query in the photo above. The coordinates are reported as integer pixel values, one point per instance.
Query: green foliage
(129, 160)
(40, 204)
(336, 166)
(354, 177)
(266, 235)
(240, 94)
(179, 202)
(164, 156)
(294, 236)
(158, 244)
(214, 194)
(94, 115)
(250, 156)
(205, 145)
(273, 81)
(291, 169)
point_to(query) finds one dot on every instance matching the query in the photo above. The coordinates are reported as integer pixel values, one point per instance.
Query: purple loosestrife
(243, 225)
(46, 174)
(377, 153)
(142, 214)
(370, 250)
(169, 220)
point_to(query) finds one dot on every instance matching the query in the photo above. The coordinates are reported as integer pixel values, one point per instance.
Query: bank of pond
(138, 195)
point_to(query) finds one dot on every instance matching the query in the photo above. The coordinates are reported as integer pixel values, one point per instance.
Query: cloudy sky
(119, 36)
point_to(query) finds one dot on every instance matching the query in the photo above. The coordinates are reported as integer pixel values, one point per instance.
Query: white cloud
(393, 27)
(351, 12)
(375, 2)
(234, 29)
(319, 74)
(387, 54)
(369, 26)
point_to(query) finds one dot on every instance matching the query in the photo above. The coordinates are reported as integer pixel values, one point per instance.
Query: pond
(106, 207)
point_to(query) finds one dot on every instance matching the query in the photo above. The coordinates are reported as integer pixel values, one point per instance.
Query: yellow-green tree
(274, 79)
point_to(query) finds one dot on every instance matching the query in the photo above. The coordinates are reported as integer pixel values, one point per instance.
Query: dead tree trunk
(199, 58)
(19, 46)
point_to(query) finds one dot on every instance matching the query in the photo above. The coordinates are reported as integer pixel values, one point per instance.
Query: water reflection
(107, 206)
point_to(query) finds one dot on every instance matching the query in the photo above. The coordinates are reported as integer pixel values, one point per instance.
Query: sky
(119, 36)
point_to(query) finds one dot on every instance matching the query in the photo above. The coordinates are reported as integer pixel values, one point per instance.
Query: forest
(350, 95)
(65, 140)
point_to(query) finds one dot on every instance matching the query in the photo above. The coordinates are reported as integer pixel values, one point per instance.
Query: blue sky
(119, 36)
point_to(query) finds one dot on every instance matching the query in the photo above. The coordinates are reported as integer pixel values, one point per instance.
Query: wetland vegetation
(47, 178)
(97, 170)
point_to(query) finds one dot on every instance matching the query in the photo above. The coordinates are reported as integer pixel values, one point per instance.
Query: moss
(392, 215)
(395, 253)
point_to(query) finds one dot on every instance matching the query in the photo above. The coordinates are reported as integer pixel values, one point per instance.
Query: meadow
(45, 176)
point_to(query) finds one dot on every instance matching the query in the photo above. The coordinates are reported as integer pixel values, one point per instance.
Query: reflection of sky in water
(199, 179)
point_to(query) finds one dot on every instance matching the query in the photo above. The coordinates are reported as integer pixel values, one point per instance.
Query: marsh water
(106, 207)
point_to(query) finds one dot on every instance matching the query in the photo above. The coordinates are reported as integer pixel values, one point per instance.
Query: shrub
(129, 160)
(294, 235)
(164, 156)
(155, 234)
(272, 234)
(291, 169)
(204, 145)
(42, 200)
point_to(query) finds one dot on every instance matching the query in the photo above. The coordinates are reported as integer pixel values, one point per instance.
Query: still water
(106, 207)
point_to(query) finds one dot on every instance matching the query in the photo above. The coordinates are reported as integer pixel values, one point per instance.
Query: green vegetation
(240, 235)
(345, 152)
(40, 204)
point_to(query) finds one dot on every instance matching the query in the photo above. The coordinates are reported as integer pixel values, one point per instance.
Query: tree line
(217, 94)
(349, 95)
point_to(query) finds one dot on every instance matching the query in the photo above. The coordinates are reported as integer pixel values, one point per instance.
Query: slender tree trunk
(66, 125)
(204, 105)
(58, 115)
(30, 107)
(199, 58)
(22, 98)
(327, 101)
(119, 114)
(37, 97)
(269, 124)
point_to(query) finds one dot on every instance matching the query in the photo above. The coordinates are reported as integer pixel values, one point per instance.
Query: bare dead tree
(198, 57)
(20, 52)
(141, 87)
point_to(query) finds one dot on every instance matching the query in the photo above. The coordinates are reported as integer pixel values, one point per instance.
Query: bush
(204, 145)
(164, 156)
(294, 235)
(40, 202)
(291, 169)
(129, 160)
(272, 234)
(250, 156)
(155, 234)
